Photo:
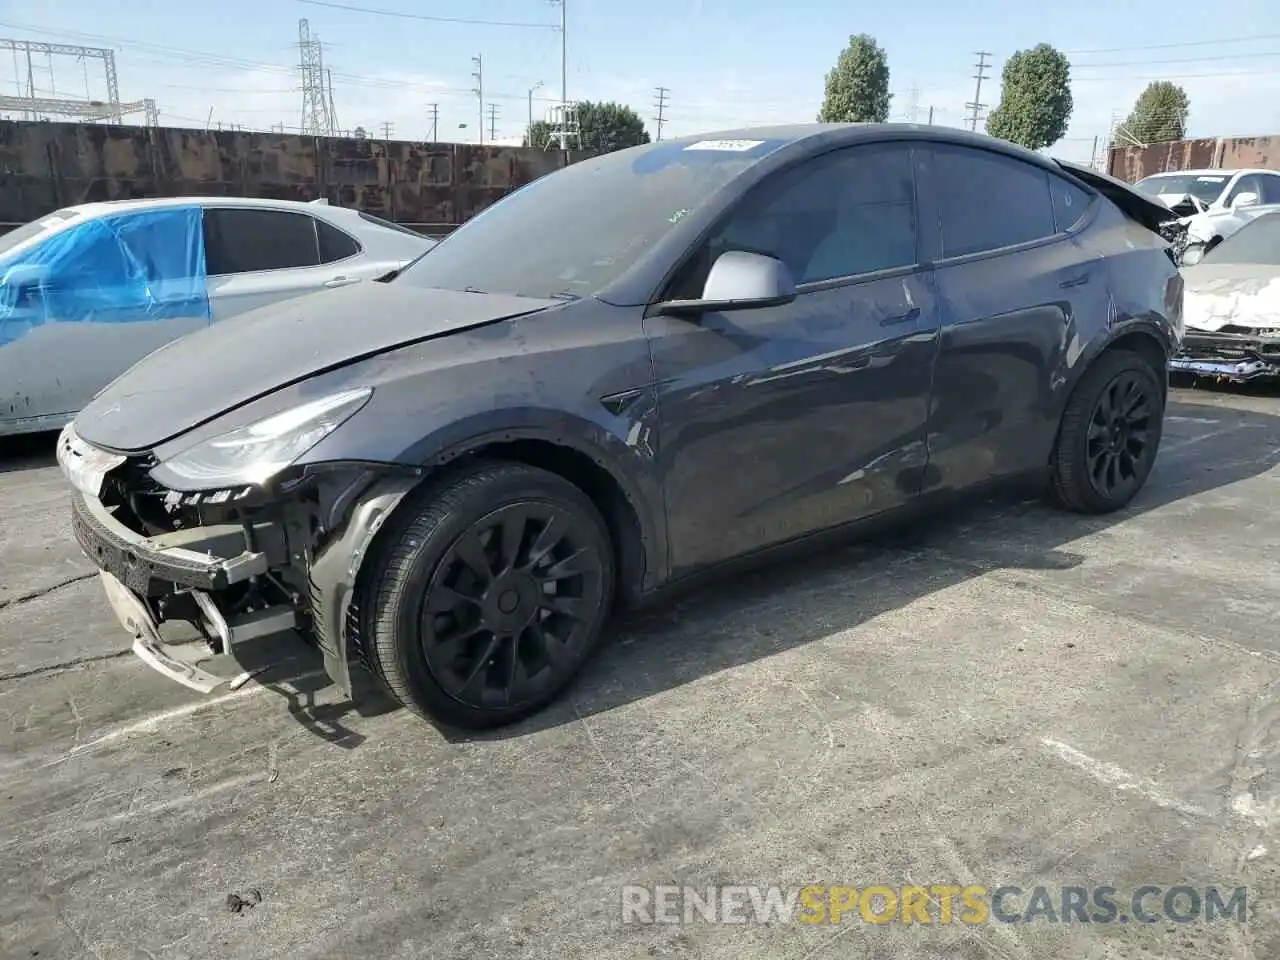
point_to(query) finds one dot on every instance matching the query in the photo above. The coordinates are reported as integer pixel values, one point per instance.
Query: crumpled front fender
(336, 567)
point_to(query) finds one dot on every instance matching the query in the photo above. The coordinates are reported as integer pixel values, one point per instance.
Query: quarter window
(244, 240)
(987, 201)
(1069, 202)
(334, 244)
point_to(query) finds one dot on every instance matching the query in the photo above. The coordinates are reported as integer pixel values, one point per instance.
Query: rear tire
(1109, 435)
(489, 595)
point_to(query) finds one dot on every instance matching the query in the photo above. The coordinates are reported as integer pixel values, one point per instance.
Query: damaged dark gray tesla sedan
(633, 370)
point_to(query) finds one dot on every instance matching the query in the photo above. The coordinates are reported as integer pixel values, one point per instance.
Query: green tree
(1035, 98)
(1159, 114)
(603, 127)
(857, 87)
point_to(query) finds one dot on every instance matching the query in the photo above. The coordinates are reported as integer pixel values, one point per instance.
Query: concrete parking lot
(1006, 696)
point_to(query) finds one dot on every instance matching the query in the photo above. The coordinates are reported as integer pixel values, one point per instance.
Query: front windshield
(572, 232)
(27, 231)
(1256, 242)
(1206, 187)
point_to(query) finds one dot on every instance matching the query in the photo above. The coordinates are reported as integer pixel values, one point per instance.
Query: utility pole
(532, 90)
(977, 106)
(388, 128)
(661, 107)
(435, 120)
(493, 122)
(564, 77)
(931, 116)
(478, 90)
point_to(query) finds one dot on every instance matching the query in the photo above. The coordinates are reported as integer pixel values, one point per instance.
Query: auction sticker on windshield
(732, 146)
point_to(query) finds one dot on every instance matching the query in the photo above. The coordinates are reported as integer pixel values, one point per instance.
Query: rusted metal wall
(1228, 153)
(50, 165)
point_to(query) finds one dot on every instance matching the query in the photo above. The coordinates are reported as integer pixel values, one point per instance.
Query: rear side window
(334, 244)
(1069, 202)
(987, 201)
(244, 240)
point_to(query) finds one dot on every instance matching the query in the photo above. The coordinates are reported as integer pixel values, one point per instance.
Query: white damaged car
(1213, 204)
(1231, 307)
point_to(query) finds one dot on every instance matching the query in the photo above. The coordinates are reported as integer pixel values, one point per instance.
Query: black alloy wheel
(511, 604)
(1109, 434)
(488, 594)
(1117, 444)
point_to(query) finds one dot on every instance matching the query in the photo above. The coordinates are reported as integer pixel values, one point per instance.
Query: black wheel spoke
(448, 600)
(470, 550)
(479, 668)
(578, 562)
(550, 647)
(511, 538)
(549, 537)
(568, 606)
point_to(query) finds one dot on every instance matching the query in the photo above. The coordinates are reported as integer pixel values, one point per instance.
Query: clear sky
(726, 62)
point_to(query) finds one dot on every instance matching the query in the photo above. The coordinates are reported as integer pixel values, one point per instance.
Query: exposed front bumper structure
(136, 570)
(1236, 357)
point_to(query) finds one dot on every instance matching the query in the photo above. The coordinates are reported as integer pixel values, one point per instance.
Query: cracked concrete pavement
(1005, 695)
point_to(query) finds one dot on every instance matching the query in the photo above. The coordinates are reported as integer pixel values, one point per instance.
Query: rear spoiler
(1150, 213)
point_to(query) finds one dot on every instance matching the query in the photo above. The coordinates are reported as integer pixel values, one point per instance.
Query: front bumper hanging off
(135, 568)
(1236, 357)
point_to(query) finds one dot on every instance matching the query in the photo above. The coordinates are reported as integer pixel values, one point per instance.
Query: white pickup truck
(1214, 203)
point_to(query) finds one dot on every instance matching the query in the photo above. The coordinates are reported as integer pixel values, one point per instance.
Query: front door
(1016, 291)
(779, 422)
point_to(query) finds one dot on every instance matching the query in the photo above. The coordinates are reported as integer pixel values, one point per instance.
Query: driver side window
(846, 213)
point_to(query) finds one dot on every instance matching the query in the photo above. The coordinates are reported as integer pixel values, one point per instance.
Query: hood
(1220, 295)
(192, 380)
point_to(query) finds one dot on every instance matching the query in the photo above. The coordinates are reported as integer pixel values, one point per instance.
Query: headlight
(253, 454)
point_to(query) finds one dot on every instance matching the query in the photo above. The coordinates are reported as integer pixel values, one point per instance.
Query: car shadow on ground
(27, 451)
(810, 599)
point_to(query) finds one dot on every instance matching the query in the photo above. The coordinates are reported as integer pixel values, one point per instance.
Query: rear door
(257, 256)
(782, 421)
(1014, 286)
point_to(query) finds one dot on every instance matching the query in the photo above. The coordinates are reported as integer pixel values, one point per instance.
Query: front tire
(489, 595)
(1109, 436)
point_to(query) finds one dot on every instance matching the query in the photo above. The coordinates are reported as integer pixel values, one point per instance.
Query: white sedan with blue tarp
(88, 290)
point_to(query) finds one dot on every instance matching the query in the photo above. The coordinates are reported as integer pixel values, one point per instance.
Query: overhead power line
(399, 14)
(1156, 63)
(1181, 43)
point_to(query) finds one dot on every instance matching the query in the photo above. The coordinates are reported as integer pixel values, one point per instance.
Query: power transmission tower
(661, 107)
(90, 108)
(388, 128)
(333, 111)
(977, 106)
(316, 115)
(478, 90)
(493, 122)
(435, 120)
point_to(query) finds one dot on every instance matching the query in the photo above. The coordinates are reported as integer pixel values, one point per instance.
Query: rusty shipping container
(1225, 153)
(430, 185)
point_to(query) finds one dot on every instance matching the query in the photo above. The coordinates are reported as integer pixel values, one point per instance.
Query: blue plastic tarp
(124, 268)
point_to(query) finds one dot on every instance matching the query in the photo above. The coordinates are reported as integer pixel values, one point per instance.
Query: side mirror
(1246, 199)
(738, 281)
